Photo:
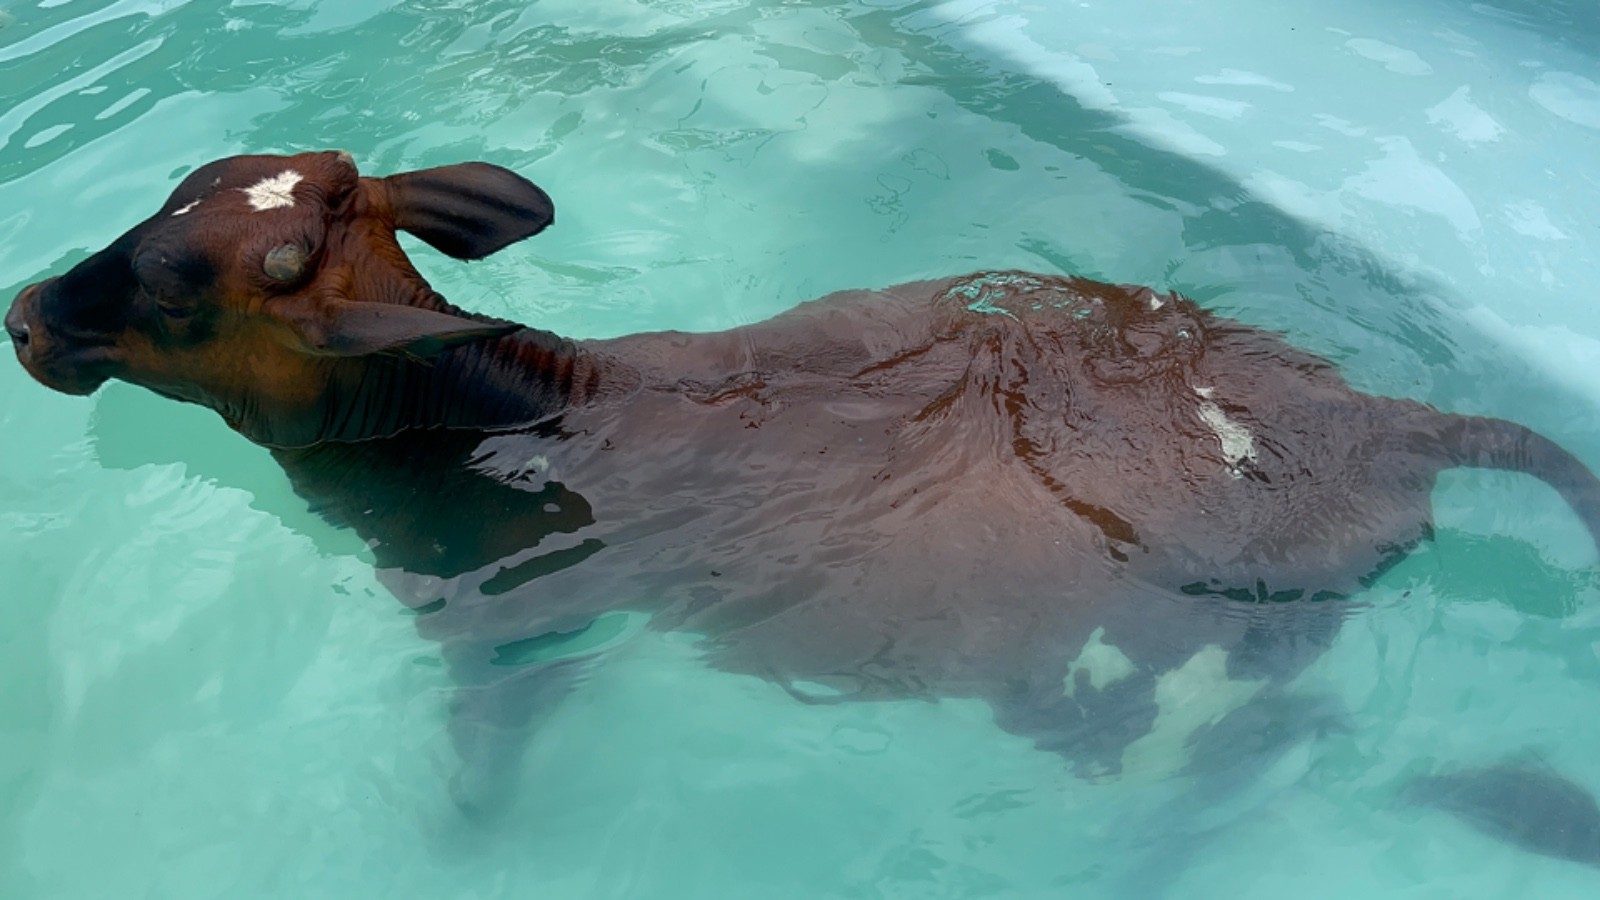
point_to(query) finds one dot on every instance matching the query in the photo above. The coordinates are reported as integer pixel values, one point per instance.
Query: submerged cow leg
(1160, 677)
(1525, 804)
(1197, 744)
(494, 711)
(1195, 722)
(1091, 726)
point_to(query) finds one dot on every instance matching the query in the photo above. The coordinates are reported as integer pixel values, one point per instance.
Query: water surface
(207, 694)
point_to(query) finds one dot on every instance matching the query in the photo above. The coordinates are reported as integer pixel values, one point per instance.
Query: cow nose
(16, 327)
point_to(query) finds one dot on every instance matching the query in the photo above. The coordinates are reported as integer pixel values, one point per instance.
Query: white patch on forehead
(276, 192)
(1238, 444)
(1156, 302)
(1194, 695)
(185, 208)
(1104, 663)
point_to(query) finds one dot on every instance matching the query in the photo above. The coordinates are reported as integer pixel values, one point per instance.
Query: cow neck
(521, 378)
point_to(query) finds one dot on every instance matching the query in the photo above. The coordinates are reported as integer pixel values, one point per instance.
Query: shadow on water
(123, 439)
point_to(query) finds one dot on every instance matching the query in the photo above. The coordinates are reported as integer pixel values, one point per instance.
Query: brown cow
(1110, 514)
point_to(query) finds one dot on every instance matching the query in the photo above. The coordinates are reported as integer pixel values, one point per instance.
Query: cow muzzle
(56, 360)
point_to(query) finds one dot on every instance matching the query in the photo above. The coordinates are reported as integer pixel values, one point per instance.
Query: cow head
(265, 283)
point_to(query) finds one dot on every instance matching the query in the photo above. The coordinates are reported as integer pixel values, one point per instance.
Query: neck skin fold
(517, 379)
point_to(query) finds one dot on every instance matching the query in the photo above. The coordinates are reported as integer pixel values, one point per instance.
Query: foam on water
(207, 693)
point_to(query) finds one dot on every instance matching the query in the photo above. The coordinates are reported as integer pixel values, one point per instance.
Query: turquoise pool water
(206, 693)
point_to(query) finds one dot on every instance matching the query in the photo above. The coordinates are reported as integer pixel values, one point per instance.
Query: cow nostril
(18, 331)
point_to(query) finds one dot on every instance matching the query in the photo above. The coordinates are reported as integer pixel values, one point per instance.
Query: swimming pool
(209, 694)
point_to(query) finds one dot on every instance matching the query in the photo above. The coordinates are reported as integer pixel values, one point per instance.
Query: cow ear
(345, 328)
(469, 210)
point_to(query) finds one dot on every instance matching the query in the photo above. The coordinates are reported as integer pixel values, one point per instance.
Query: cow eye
(174, 312)
(163, 273)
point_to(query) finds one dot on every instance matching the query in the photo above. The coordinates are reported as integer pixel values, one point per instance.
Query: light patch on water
(1159, 128)
(1529, 218)
(276, 192)
(1194, 695)
(1215, 107)
(1572, 97)
(132, 97)
(1401, 178)
(46, 136)
(1105, 664)
(1396, 59)
(1567, 357)
(1241, 78)
(1342, 126)
(1458, 115)
(1098, 51)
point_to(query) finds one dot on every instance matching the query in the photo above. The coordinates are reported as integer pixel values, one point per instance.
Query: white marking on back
(1238, 444)
(1105, 664)
(190, 205)
(276, 192)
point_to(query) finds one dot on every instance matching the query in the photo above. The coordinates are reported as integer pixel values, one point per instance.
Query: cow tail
(1479, 442)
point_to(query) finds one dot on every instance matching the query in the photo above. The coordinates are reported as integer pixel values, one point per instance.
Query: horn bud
(285, 263)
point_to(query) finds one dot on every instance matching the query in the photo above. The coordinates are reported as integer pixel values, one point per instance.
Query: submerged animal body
(1112, 515)
(1525, 804)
